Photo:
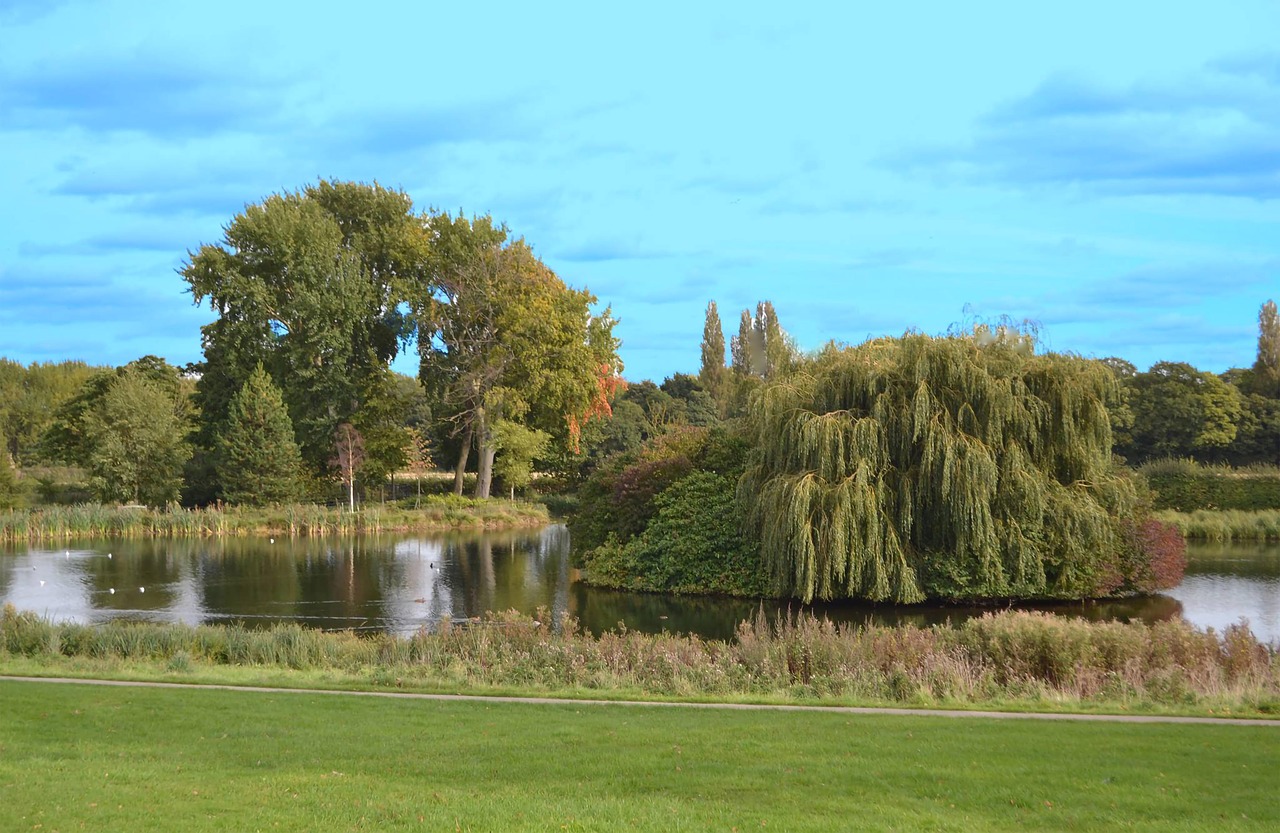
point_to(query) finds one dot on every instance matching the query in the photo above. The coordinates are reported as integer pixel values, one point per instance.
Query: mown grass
(82, 757)
(1014, 660)
(1225, 525)
(95, 520)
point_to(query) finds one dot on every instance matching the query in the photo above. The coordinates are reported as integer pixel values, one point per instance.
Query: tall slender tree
(742, 346)
(712, 373)
(348, 458)
(1267, 368)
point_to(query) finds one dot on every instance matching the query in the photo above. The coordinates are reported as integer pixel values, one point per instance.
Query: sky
(1108, 170)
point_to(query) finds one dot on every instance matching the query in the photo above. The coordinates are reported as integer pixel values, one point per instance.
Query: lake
(400, 583)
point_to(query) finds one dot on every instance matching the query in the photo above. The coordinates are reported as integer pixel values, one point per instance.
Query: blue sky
(1110, 170)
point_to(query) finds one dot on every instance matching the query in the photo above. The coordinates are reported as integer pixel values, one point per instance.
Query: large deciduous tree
(257, 458)
(309, 284)
(958, 467)
(501, 337)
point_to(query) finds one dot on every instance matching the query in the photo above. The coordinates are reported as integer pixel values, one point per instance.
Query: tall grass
(95, 520)
(1225, 525)
(1008, 657)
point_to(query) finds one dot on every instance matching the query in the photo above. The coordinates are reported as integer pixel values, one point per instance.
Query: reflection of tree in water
(1249, 559)
(251, 577)
(500, 571)
(8, 560)
(155, 564)
(717, 617)
(342, 581)
(348, 582)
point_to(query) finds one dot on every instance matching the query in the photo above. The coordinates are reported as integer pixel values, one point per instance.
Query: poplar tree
(1267, 367)
(258, 461)
(741, 346)
(956, 467)
(712, 373)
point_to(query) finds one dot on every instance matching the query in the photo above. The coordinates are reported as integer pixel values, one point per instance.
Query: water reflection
(404, 583)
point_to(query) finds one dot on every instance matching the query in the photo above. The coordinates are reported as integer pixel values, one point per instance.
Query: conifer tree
(258, 461)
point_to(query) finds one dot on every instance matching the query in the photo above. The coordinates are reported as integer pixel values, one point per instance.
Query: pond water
(406, 582)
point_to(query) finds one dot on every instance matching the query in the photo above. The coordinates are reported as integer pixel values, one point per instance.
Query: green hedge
(1186, 487)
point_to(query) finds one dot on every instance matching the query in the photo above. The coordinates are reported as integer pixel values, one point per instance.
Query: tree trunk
(485, 478)
(461, 468)
(351, 491)
(487, 449)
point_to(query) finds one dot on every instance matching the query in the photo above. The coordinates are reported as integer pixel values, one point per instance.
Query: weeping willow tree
(953, 467)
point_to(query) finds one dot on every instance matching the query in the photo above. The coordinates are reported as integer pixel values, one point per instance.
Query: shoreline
(302, 520)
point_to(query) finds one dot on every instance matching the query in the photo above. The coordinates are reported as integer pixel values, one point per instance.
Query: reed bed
(1225, 525)
(96, 520)
(1007, 657)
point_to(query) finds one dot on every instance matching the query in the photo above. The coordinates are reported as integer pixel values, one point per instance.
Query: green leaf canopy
(957, 467)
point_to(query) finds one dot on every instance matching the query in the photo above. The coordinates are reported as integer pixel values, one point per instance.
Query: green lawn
(85, 757)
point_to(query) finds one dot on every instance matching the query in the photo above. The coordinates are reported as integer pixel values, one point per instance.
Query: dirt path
(561, 701)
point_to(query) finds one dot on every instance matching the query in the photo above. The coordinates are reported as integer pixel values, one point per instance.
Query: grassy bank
(93, 520)
(1225, 525)
(1018, 660)
(161, 760)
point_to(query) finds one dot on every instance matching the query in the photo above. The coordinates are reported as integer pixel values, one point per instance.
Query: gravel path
(560, 701)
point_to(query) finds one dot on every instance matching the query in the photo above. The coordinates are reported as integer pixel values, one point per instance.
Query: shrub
(693, 544)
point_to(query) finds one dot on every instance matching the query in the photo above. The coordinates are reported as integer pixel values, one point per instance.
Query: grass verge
(1022, 661)
(436, 512)
(1225, 525)
(160, 760)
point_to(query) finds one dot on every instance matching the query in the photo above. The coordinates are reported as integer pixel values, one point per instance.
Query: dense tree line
(1175, 410)
(316, 292)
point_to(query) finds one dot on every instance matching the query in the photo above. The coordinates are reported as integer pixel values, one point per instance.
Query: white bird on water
(142, 589)
(113, 591)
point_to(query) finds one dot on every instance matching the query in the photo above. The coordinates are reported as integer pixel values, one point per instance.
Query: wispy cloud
(1214, 133)
(602, 249)
(405, 127)
(168, 241)
(163, 96)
